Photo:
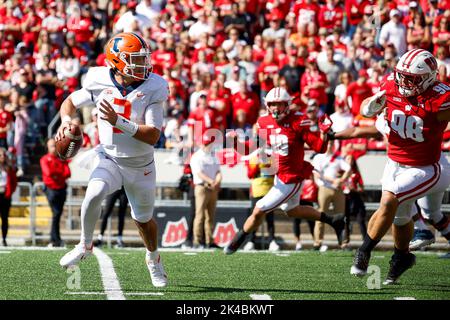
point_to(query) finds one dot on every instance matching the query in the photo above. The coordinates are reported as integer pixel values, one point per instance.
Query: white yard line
(144, 293)
(2, 251)
(260, 297)
(93, 293)
(109, 277)
(404, 298)
(89, 293)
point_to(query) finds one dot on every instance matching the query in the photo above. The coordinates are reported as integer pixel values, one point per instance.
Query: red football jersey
(415, 133)
(287, 142)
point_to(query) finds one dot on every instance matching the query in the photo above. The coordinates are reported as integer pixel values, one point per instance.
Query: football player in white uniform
(130, 100)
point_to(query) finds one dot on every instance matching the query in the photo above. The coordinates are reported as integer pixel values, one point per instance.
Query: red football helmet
(128, 54)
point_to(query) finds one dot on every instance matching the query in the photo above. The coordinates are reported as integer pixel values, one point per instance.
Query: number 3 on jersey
(407, 127)
(123, 108)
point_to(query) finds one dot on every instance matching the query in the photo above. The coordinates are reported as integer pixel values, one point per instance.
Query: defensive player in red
(286, 132)
(417, 110)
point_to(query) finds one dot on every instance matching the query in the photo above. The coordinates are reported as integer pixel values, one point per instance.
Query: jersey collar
(124, 91)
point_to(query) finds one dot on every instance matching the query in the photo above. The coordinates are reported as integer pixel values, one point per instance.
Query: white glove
(374, 105)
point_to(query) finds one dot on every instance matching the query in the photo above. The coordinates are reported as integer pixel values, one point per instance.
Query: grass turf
(212, 275)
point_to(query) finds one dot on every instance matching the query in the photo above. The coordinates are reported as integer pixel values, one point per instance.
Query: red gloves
(325, 123)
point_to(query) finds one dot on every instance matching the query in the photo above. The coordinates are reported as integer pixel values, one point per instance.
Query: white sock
(91, 209)
(100, 237)
(420, 225)
(152, 255)
(119, 238)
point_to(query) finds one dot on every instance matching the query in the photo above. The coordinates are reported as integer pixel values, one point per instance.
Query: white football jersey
(143, 105)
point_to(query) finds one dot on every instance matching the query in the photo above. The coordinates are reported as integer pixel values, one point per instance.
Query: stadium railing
(26, 196)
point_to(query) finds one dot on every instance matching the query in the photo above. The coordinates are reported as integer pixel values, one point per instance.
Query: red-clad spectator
(441, 37)
(357, 91)
(225, 7)
(174, 101)
(402, 6)
(223, 91)
(6, 46)
(220, 61)
(313, 84)
(6, 120)
(77, 50)
(200, 120)
(408, 18)
(162, 58)
(274, 31)
(8, 184)
(30, 27)
(267, 70)
(81, 24)
(55, 173)
(54, 24)
(354, 10)
(307, 16)
(220, 105)
(202, 45)
(419, 34)
(68, 68)
(259, 51)
(40, 9)
(9, 22)
(375, 81)
(247, 101)
(433, 14)
(331, 15)
(280, 6)
(202, 66)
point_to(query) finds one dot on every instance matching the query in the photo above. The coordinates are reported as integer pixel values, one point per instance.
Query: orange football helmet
(128, 54)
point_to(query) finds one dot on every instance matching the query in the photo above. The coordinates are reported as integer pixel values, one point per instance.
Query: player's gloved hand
(325, 123)
(60, 133)
(375, 104)
(331, 135)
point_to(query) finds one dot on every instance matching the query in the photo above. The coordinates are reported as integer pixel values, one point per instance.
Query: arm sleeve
(195, 165)
(84, 96)
(45, 168)
(66, 173)
(344, 165)
(313, 140)
(154, 115)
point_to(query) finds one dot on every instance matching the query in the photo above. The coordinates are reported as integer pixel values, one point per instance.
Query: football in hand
(68, 146)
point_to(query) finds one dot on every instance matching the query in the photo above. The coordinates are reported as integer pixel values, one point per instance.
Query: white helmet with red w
(415, 72)
(277, 101)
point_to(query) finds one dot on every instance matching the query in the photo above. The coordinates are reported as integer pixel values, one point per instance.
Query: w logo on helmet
(175, 233)
(431, 62)
(225, 232)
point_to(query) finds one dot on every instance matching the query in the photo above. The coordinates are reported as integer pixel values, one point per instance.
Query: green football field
(36, 274)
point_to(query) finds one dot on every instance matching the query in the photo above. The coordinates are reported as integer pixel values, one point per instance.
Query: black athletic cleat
(339, 225)
(360, 263)
(398, 265)
(237, 241)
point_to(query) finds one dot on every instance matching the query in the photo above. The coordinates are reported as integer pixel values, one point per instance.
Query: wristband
(126, 126)
(331, 135)
(66, 118)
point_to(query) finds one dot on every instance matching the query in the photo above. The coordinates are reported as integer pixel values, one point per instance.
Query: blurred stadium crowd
(219, 57)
